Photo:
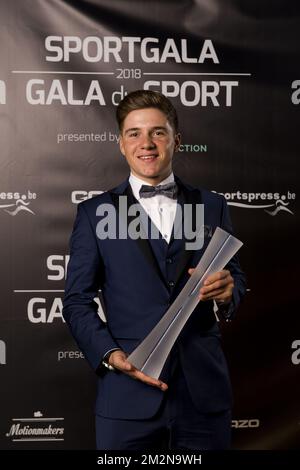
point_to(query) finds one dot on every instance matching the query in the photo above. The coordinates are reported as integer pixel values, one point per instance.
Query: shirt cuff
(106, 356)
(110, 351)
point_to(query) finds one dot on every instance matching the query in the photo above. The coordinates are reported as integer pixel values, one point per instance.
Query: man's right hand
(118, 359)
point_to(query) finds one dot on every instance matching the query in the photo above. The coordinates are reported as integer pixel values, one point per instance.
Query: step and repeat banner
(232, 70)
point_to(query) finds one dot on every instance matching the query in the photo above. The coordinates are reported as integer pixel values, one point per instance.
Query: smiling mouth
(147, 158)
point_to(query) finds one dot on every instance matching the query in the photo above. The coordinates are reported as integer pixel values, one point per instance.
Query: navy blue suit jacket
(134, 278)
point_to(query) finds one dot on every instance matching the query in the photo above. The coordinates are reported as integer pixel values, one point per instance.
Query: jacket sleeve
(228, 311)
(85, 275)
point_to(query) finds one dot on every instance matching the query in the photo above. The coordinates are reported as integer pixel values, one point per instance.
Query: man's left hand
(217, 286)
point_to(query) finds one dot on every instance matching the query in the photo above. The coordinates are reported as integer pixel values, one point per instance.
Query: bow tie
(169, 190)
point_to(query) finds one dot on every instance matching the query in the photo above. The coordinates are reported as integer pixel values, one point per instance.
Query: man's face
(148, 142)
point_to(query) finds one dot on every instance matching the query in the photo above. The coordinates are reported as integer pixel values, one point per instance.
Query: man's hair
(141, 99)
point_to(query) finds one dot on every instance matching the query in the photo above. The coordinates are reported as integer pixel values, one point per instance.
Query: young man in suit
(189, 406)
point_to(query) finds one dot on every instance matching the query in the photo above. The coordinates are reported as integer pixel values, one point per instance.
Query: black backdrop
(232, 70)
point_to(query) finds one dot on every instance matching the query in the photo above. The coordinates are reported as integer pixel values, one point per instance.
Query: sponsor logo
(16, 202)
(36, 428)
(2, 92)
(295, 358)
(245, 423)
(272, 203)
(2, 352)
(80, 195)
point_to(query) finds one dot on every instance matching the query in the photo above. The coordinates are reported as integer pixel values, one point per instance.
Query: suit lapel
(192, 197)
(142, 243)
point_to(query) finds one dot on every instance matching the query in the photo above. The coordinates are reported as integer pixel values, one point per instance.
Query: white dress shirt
(161, 209)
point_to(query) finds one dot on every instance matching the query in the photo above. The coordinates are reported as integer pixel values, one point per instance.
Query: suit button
(169, 260)
(171, 284)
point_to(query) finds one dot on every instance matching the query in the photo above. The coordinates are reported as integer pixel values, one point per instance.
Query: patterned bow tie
(169, 190)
